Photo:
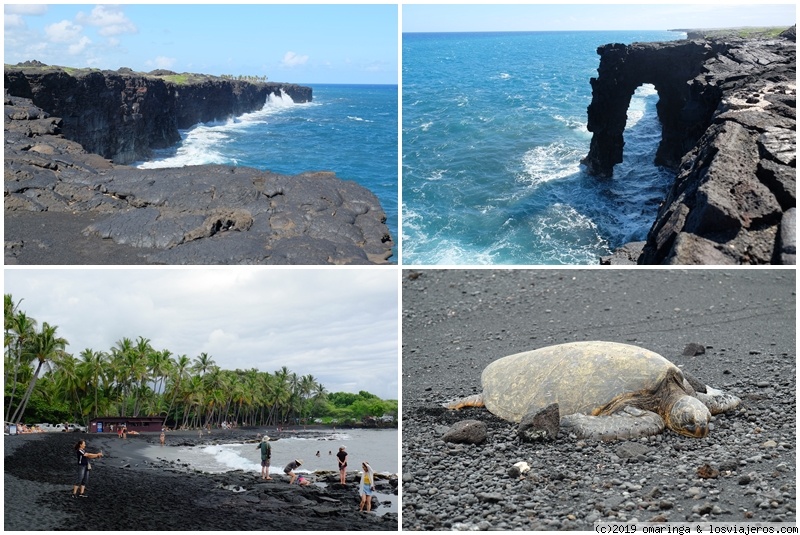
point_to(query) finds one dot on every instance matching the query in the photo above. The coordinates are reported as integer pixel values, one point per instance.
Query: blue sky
(288, 43)
(560, 17)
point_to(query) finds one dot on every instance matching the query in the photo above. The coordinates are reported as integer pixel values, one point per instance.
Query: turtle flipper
(628, 422)
(469, 401)
(718, 401)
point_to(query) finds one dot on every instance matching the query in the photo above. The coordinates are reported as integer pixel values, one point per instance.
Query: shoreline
(129, 490)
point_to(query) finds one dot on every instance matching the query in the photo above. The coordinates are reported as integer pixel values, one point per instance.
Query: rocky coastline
(65, 204)
(131, 492)
(728, 111)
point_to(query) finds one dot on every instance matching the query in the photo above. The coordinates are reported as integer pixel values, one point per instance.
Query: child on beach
(367, 486)
(290, 468)
(266, 455)
(83, 468)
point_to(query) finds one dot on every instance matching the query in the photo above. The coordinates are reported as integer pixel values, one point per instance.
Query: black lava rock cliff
(728, 115)
(122, 115)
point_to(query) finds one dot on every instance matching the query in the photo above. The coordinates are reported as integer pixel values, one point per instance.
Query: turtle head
(689, 417)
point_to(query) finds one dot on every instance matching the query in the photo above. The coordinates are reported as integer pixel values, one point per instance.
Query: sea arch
(684, 111)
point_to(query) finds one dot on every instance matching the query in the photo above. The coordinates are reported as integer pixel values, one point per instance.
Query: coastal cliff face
(728, 115)
(122, 115)
(64, 205)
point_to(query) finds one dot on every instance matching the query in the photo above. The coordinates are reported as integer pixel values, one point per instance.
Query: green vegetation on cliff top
(168, 76)
(769, 32)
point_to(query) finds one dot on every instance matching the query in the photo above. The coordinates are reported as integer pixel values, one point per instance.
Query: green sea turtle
(604, 390)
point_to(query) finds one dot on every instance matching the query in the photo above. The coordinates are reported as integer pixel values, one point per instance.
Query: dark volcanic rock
(543, 425)
(727, 109)
(122, 115)
(466, 432)
(192, 215)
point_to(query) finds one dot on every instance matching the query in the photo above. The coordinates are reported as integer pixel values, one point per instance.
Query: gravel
(457, 321)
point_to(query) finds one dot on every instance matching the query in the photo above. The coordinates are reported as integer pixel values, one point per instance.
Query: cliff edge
(122, 115)
(67, 205)
(728, 114)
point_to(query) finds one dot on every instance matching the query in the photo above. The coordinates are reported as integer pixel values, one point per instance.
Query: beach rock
(466, 432)
(693, 349)
(727, 109)
(543, 425)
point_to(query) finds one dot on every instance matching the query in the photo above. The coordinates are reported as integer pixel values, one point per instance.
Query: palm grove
(45, 383)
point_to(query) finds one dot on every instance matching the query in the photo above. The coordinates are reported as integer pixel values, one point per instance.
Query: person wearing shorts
(367, 486)
(290, 468)
(342, 456)
(266, 455)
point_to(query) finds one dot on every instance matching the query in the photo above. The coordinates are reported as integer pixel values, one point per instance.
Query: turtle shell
(581, 377)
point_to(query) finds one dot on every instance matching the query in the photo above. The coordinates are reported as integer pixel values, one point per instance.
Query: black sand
(126, 491)
(457, 321)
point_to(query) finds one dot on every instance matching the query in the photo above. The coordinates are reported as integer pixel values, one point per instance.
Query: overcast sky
(593, 16)
(355, 44)
(339, 325)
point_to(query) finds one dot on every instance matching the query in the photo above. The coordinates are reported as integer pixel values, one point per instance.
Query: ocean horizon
(494, 128)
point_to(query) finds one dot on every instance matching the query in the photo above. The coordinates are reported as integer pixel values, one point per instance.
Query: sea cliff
(122, 115)
(728, 113)
(69, 201)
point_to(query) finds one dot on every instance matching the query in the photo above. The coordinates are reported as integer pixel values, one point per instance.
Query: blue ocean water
(348, 129)
(494, 128)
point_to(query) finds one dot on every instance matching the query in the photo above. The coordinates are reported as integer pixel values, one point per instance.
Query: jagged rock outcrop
(122, 115)
(727, 110)
(66, 205)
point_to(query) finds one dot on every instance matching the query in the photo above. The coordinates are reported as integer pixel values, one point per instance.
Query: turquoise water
(348, 129)
(494, 128)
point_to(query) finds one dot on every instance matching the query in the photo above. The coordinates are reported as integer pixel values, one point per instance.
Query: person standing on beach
(367, 486)
(82, 476)
(162, 437)
(290, 468)
(342, 456)
(266, 455)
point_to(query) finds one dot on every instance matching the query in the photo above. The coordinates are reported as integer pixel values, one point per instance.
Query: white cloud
(25, 9)
(109, 19)
(290, 59)
(63, 32)
(79, 46)
(161, 62)
(13, 21)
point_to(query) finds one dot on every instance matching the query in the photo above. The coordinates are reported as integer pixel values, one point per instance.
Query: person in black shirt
(82, 476)
(342, 455)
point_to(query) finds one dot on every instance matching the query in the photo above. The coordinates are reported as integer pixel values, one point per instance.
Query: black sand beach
(457, 321)
(127, 491)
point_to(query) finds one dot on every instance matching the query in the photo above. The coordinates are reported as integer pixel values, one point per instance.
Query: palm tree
(20, 328)
(68, 380)
(119, 371)
(94, 367)
(43, 347)
(139, 370)
(179, 372)
(159, 363)
(203, 363)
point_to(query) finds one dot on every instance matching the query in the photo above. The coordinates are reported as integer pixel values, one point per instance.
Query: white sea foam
(644, 96)
(550, 162)
(201, 144)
